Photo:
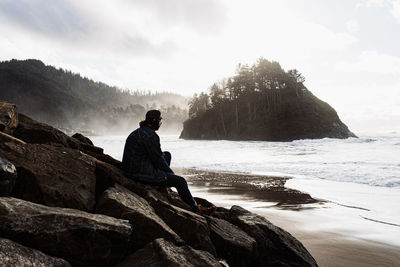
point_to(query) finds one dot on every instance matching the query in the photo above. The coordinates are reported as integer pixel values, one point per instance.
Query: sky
(348, 50)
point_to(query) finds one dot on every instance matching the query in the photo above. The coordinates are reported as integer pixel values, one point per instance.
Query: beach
(324, 228)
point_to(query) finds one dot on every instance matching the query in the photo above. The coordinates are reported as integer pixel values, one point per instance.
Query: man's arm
(153, 148)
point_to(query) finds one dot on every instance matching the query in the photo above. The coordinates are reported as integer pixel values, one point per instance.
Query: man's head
(153, 119)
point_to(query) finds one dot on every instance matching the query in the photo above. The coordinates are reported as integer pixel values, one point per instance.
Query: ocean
(359, 174)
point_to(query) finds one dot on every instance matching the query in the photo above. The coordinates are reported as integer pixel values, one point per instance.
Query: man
(144, 161)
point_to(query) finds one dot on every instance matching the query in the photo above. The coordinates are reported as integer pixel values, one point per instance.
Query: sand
(326, 230)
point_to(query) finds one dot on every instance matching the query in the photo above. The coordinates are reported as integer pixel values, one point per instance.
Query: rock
(292, 117)
(79, 237)
(189, 226)
(107, 175)
(8, 117)
(83, 139)
(8, 138)
(102, 157)
(221, 213)
(162, 253)
(54, 176)
(35, 132)
(8, 175)
(120, 203)
(276, 247)
(14, 254)
(231, 243)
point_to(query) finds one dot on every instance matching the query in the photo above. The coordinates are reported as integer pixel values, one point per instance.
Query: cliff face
(64, 202)
(280, 115)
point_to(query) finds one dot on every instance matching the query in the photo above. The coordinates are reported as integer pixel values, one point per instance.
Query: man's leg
(183, 190)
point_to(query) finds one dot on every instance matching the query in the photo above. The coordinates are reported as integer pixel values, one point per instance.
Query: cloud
(371, 3)
(395, 11)
(392, 5)
(56, 18)
(372, 62)
(205, 16)
(353, 26)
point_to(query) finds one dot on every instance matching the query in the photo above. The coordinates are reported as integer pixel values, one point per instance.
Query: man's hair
(152, 117)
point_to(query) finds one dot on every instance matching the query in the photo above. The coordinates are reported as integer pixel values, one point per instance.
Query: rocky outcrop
(119, 202)
(14, 254)
(8, 117)
(161, 253)
(51, 175)
(292, 117)
(79, 237)
(58, 180)
(8, 175)
(195, 230)
(83, 139)
(276, 247)
(232, 244)
(35, 132)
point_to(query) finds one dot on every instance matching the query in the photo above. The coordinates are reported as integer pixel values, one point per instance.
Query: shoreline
(321, 226)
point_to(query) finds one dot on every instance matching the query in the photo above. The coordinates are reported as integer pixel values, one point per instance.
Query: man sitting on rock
(144, 161)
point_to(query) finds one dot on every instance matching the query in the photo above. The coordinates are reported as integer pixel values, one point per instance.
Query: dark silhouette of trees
(254, 92)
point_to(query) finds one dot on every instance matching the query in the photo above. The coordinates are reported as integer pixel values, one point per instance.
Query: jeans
(178, 182)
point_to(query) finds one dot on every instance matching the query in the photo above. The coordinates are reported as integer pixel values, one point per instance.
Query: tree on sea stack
(262, 102)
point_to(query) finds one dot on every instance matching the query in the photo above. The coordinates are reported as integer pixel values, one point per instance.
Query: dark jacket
(143, 159)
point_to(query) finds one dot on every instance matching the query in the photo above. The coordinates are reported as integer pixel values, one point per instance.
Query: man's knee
(177, 181)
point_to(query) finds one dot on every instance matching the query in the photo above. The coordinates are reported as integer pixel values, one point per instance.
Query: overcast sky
(348, 50)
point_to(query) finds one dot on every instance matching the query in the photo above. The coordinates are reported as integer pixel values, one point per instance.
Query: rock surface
(50, 175)
(120, 203)
(79, 237)
(35, 132)
(8, 176)
(231, 243)
(189, 226)
(8, 117)
(83, 139)
(276, 247)
(14, 254)
(162, 253)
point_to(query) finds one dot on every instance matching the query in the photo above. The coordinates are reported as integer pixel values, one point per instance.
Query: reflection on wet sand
(268, 189)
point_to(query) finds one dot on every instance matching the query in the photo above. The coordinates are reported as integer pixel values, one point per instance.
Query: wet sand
(314, 222)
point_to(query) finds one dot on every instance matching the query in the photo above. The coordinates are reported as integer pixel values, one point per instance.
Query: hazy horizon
(347, 50)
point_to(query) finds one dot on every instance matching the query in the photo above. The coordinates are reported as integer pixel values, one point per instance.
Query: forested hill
(67, 100)
(262, 102)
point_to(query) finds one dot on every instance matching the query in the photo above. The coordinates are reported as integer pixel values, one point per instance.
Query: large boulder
(231, 243)
(79, 237)
(82, 139)
(8, 117)
(276, 247)
(14, 254)
(8, 175)
(119, 202)
(108, 175)
(54, 176)
(35, 132)
(189, 226)
(161, 253)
